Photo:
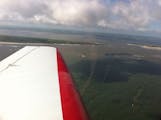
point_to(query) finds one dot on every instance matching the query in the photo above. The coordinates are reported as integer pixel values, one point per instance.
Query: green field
(117, 81)
(18, 39)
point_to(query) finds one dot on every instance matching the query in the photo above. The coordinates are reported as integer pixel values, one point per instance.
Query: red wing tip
(72, 106)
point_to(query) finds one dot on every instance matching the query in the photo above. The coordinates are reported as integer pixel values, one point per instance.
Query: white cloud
(77, 12)
(134, 14)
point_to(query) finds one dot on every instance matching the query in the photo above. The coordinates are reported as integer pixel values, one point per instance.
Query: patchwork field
(117, 79)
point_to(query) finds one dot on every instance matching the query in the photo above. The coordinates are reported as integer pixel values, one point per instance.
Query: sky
(128, 15)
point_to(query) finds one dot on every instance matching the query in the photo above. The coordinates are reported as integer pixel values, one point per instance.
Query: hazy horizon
(137, 17)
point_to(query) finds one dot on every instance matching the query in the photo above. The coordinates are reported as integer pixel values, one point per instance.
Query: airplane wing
(36, 85)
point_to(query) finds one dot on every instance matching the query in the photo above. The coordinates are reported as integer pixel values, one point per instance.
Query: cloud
(133, 14)
(77, 12)
(115, 14)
